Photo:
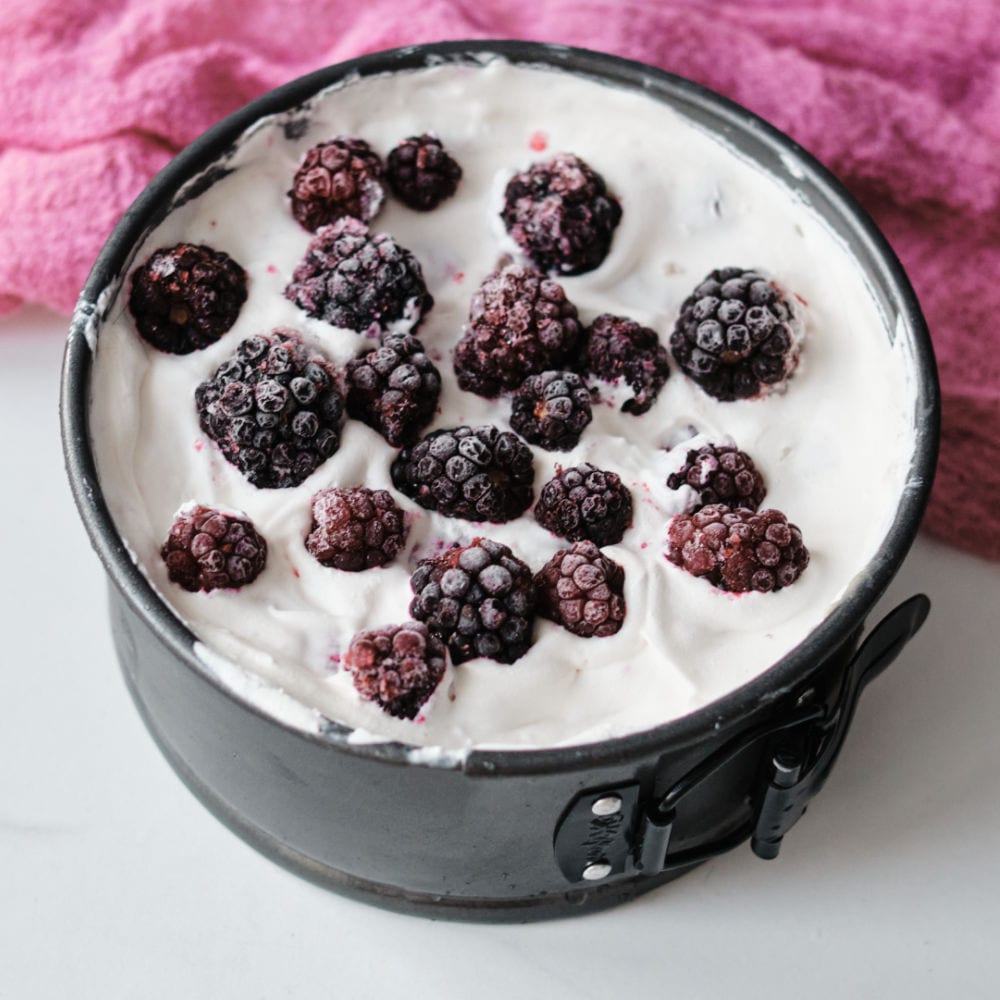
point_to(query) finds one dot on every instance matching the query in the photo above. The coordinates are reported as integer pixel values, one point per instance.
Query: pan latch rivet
(596, 871)
(607, 805)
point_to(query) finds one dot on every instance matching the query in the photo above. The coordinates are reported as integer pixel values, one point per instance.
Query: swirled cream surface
(834, 448)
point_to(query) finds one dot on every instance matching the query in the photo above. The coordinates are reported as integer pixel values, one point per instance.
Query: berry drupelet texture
(582, 589)
(186, 297)
(273, 408)
(398, 667)
(616, 347)
(479, 598)
(720, 473)
(738, 550)
(394, 388)
(209, 549)
(584, 502)
(355, 280)
(355, 528)
(736, 336)
(338, 178)
(421, 173)
(551, 410)
(561, 215)
(479, 473)
(520, 324)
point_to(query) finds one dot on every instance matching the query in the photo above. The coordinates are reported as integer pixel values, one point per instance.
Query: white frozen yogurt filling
(834, 448)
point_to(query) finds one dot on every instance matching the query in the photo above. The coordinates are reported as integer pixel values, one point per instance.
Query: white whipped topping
(834, 449)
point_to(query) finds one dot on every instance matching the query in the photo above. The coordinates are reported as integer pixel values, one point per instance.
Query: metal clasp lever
(798, 769)
(616, 831)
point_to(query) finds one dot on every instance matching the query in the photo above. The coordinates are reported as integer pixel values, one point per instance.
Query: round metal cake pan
(507, 835)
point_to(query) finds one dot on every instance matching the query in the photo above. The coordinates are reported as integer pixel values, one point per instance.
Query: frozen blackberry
(520, 324)
(398, 667)
(551, 410)
(273, 408)
(394, 388)
(355, 528)
(208, 549)
(582, 589)
(561, 215)
(479, 598)
(338, 178)
(616, 347)
(720, 473)
(736, 336)
(186, 297)
(584, 502)
(738, 549)
(421, 173)
(479, 473)
(355, 280)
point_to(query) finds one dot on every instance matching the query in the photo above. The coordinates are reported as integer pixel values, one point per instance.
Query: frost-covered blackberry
(561, 214)
(720, 473)
(551, 410)
(394, 388)
(737, 335)
(616, 347)
(273, 408)
(738, 550)
(209, 549)
(479, 598)
(341, 177)
(520, 324)
(356, 280)
(422, 173)
(584, 502)
(398, 667)
(582, 589)
(355, 528)
(479, 473)
(185, 297)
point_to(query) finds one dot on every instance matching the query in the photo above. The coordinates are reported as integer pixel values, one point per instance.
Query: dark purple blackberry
(394, 388)
(720, 473)
(551, 410)
(738, 549)
(355, 280)
(479, 598)
(520, 324)
(398, 667)
(584, 502)
(582, 589)
(186, 297)
(616, 347)
(273, 408)
(736, 336)
(561, 215)
(479, 473)
(336, 179)
(421, 173)
(355, 528)
(208, 549)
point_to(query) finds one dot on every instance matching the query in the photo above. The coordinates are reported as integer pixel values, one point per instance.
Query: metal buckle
(615, 832)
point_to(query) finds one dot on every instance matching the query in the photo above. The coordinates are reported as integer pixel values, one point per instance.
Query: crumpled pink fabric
(900, 98)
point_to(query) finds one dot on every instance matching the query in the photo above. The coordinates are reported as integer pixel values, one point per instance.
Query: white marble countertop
(115, 882)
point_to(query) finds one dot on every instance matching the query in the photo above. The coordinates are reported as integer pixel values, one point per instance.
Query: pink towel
(900, 98)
